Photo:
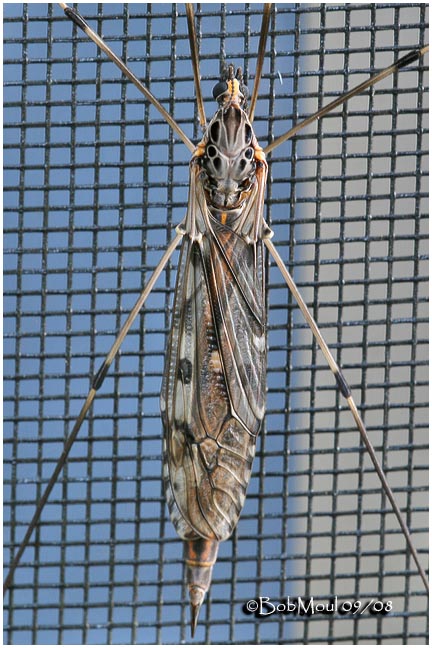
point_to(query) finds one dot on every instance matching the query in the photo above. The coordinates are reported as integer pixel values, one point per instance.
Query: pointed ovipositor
(200, 555)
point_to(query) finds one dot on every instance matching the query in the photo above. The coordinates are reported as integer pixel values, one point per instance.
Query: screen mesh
(95, 183)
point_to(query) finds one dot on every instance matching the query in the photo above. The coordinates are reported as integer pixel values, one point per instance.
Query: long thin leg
(345, 390)
(195, 63)
(76, 18)
(402, 62)
(260, 60)
(95, 385)
(195, 60)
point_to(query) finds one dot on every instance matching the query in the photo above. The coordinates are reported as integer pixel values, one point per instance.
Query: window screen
(95, 184)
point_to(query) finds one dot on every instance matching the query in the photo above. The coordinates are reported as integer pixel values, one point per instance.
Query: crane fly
(229, 263)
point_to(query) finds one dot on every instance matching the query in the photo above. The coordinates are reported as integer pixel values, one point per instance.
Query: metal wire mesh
(94, 184)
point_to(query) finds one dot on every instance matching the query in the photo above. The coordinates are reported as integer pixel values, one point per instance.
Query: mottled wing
(213, 394)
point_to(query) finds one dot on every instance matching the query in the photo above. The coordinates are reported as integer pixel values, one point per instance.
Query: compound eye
(219, 89)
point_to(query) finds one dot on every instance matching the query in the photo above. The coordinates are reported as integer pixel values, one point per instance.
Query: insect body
(213, 394)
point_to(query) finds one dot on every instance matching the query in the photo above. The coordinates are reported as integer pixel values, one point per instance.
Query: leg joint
(342, 384)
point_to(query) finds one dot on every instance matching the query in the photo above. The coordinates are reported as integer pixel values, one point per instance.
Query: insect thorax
(228, 159)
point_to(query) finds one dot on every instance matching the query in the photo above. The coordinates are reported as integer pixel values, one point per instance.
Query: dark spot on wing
(185, 371)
